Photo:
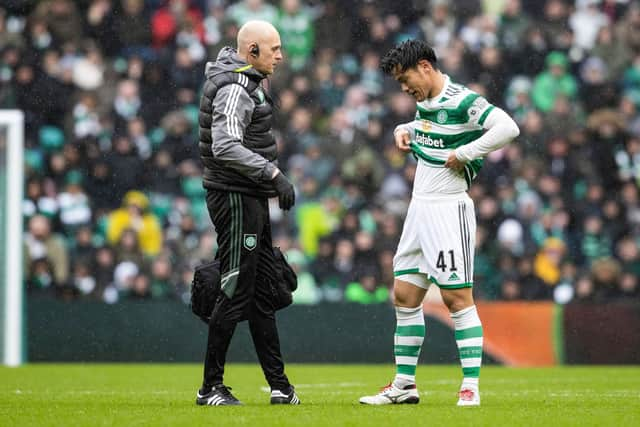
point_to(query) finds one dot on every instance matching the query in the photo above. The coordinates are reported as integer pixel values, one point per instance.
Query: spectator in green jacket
(295, 23)
(367, 289)
(553, 82)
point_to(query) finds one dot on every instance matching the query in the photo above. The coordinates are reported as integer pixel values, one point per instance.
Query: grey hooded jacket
(237, 147)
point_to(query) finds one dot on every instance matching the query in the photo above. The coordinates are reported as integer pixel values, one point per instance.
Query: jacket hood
(556, 58)
(228, 60)
(136, 198)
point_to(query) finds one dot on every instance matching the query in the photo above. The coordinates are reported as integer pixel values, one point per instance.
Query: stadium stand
(114, 208)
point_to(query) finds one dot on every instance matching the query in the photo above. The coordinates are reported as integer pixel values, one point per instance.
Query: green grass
(163, 395)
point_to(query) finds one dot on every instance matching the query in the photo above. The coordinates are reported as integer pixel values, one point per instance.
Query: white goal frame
(13, 345)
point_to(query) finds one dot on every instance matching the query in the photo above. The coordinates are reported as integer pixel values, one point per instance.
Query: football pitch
(164, 395)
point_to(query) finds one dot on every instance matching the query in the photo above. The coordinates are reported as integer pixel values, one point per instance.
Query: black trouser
(246, 265)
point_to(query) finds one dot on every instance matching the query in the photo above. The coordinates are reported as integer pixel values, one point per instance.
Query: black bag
(285, 283)
(205, 287)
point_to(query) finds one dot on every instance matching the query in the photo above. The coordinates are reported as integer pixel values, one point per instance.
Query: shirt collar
(435, 99)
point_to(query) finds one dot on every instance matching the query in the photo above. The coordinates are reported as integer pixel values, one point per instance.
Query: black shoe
(218, 395)
(280, 398)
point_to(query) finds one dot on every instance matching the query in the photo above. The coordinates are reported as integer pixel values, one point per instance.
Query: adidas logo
(453, 276)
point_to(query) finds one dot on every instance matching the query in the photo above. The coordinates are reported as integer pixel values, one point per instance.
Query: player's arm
(402, 135)
(232, 111)
(500, 130)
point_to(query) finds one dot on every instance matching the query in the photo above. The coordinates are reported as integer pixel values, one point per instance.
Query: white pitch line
(97, 392)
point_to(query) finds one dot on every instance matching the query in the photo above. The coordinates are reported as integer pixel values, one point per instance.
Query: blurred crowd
(114, 206)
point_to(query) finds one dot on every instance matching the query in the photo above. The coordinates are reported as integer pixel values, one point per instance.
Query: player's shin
(408, 341)
(469, 340)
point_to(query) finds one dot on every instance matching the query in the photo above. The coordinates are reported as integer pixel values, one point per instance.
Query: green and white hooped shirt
(453, 118)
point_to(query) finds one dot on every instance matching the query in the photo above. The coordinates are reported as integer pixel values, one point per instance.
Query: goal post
(11, 260)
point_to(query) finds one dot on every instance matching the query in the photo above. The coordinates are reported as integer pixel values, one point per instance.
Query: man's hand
(453, 163)
(402, 139)
(286, 193)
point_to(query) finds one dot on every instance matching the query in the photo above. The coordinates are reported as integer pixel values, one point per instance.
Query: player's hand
(402, 140)
(286, 193)
(453, 163)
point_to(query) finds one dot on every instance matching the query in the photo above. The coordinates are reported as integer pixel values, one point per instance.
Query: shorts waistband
(440, 197)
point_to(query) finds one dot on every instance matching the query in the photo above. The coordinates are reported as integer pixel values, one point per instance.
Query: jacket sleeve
(232, 111)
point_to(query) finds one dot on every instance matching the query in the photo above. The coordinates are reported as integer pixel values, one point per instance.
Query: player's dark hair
(407, 55)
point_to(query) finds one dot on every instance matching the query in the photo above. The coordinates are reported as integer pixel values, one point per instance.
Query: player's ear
(425, 65)
(254, 50)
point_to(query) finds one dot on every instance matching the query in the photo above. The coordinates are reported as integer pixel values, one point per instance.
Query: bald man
(241, 173)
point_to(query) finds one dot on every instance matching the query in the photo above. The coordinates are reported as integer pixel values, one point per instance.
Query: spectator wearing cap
(134, 214)
(553, 82)
(548, 261)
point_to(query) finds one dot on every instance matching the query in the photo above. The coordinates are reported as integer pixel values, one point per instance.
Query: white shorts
(437, 243)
